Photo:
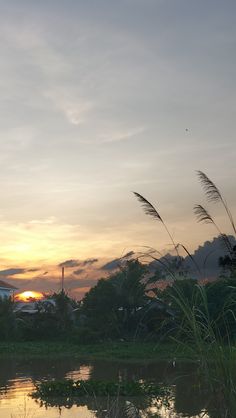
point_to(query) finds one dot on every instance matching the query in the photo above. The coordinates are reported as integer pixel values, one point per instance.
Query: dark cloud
(117, 262)
(78, 272)
(206, 257)
(40, 283)
(78, 263)
(70, 263)
(89, 261)
(51, 285)
(13, 271)
(77, 284)
(111, 265)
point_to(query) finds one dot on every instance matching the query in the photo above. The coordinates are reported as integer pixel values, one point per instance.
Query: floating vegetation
(70, 388)
(106, 399)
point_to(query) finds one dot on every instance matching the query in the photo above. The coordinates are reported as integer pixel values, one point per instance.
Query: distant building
(31, 308)
(6, 290)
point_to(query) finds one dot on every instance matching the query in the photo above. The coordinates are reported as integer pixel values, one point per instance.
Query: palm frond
(202, 215)
(149, 209)
(211, 190)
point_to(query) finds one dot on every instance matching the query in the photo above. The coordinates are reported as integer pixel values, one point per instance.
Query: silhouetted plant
(214, 195)
(150, 210)
(8, 321)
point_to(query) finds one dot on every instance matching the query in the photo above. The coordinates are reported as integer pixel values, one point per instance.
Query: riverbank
(122, 351)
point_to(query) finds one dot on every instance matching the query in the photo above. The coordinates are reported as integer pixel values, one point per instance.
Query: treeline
(127, 306)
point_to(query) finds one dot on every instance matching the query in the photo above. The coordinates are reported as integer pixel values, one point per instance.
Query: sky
(100, 98)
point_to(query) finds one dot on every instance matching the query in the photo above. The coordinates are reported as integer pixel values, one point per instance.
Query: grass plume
(203, 216)
(213, 194)
(150, 210)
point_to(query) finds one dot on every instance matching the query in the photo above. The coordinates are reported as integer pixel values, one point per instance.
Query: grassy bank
(123, 351)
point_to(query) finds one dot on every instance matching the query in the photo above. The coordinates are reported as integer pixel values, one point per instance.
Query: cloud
(121, 135)
(89, 261)
(77, 263)
(111, 265)
(47, 221)
(73, 283)
(51, 285)
(114, 264)
(78, 272)
(76, 110)
(70, 263)
(13, 271)
(17, 270)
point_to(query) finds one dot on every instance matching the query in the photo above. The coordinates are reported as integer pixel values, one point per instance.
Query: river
(18, 378)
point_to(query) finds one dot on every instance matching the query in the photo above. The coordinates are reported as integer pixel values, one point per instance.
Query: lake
(18, 378)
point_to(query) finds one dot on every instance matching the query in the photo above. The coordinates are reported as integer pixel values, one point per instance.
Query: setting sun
(29, 295)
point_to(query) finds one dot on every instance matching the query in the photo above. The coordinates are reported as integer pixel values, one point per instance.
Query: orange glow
(28, 296)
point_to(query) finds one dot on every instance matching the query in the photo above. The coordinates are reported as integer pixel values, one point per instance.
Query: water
(18, 379)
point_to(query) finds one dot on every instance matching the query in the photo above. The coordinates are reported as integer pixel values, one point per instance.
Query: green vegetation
(99, 388)
(106, 399)
(211, 341)
(122, 351)
(206, 317)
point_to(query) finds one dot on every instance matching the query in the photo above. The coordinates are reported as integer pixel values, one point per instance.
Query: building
(6, 290)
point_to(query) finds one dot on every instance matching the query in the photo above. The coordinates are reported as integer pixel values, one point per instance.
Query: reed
(197, 331)
(214, 195)
(216, 355)
(150, 210)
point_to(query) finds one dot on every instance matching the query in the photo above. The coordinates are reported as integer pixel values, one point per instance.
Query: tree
(7, 319)
(100, 309)
(113, 304)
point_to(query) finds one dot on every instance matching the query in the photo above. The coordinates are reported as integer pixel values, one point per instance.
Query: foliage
(106, 398)
(216, 364)
(221, 302)
(99, 388)
(122, 351)
(51, 321)
(185, 287)
(63, 311)
(228, 263)
(116, 302)
(8, 323)
(100, 306)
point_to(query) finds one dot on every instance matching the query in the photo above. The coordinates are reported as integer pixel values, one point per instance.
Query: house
(6, 290)
(31, 308)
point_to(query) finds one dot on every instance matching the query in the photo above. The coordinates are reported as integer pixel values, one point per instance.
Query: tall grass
(197, 331)
(216, 354)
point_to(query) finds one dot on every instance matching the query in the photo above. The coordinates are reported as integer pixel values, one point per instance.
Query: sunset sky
(101, 98)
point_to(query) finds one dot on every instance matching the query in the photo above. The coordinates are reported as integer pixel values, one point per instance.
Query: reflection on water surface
(18, 377)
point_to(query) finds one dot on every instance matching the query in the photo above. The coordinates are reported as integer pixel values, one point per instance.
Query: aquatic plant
(99, 388)
(106, 399)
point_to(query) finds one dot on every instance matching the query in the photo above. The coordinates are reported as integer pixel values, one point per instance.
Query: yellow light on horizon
(28, 295)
